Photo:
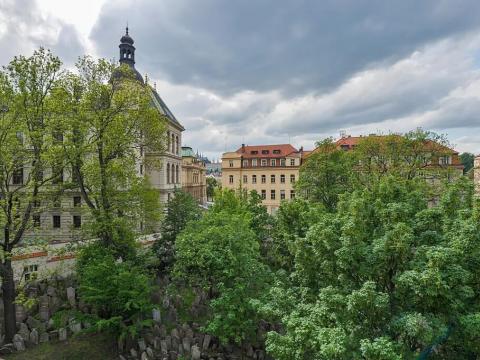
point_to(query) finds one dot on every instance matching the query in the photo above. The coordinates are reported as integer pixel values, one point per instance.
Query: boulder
(20, 313)
(141, 345)
(44, 337)
(206, 342)
(24, 332)
(149, 352)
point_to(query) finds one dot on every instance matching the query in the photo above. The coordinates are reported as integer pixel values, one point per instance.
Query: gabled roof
(163, 108)
(284, 150)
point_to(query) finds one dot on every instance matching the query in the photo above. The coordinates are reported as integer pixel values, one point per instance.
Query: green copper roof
(187, 151)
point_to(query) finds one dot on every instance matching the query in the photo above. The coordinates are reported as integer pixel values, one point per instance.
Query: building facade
(59, 218)
(193, 175)
(270, 170)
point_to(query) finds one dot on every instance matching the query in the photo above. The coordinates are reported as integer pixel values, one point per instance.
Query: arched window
(177, 145)
(168, 141)
(168, 173)
(177, 175)
(173, 144)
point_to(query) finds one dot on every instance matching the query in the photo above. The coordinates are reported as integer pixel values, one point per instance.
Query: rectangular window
(254, 152)
(265, 152)
(56, 221)
(254, 162)
(273, 162)
(272, 179)
(57, 202)
(245, 163)
(77, 221)
(18, 177)
(36, 220)
(282, 194)
(264, 179)
(58, 176)
(276, 151)
(245, 179)
(230, 179)
(230, 163)
(282, 162)
(272, 194)
(292, 178)
(292, 162)
(77, 201)
(254, 179)
(282, 178)
(264, 162)
(292, 194)
(264, 194)
(141, 168)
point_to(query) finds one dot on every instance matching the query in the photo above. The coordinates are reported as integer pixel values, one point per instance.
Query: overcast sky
(279, 71)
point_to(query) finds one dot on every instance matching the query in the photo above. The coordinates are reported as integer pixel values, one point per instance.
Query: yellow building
(270, 170)
(193, 175)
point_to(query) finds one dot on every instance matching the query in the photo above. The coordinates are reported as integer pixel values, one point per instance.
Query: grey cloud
(25, 29)
(296, 46)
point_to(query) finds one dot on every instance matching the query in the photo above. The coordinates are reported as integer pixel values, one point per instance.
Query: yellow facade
(194, 179)
(272, 178)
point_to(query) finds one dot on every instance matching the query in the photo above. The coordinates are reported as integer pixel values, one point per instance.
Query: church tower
(127, 50)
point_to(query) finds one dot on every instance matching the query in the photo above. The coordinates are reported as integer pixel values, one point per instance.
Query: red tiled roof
(354, 140)
(285, 150)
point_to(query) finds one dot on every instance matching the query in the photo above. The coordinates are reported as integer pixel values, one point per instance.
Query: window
(254, 162)
(265, 152)
(264, 162)
(272, 179)
(264, 194)
(57, 203)
(141, 168)
(264, 179)
(20, 137)
(37, 203)
(29, 270)
(276, 151)
(77, 201)
(230, 163)
(56, 221)
(168, 173)
(292, 194)
(245, 179)
(292, 162)
(58, 136)
(36, 220)
(230, 179)
(273, 162)
(245, 163)
(282, 178)
(282, 162)
(77, 221)
(254, 179)
(18, 177)
(282, 194)
(445, 160)
(292, 178)
(58, 175)
(344, 147)
(254, 152)
(272, 194)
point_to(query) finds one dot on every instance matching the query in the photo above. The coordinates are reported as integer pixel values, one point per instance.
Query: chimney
(301, 148)
(243, 148)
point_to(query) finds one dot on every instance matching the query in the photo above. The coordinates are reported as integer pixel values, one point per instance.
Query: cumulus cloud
(24, 28)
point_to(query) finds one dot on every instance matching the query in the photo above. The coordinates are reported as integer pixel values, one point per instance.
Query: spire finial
(126, 29)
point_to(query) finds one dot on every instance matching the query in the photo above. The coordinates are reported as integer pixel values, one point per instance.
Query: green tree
(467, 160)
(212, 185)
(181, 209)
(119, 291)
(326, 174)
(221, 254)
(111, 126)
(27, 153)
(384, 277)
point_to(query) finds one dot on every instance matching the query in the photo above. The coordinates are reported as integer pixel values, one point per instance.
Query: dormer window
(254, 152)
(265, 152)
(276, 151)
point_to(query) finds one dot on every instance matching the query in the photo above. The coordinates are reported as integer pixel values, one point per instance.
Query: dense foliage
(181, 209)
(220, 253)
(118, 290)
(384, 277)
(467, 161)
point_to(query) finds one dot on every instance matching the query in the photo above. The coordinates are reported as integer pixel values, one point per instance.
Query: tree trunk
(8, 288)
